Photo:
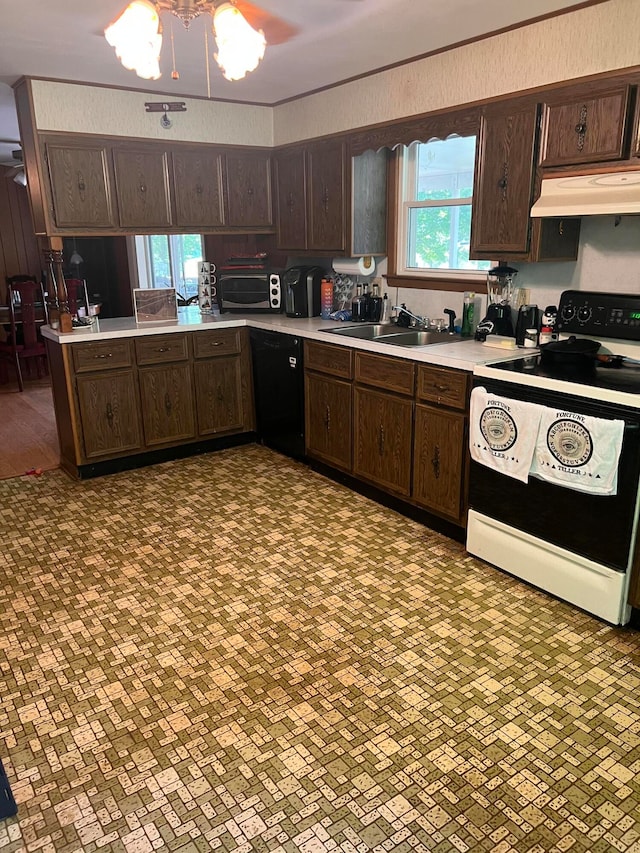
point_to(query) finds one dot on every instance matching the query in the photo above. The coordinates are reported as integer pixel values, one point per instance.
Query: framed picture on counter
(155, 305)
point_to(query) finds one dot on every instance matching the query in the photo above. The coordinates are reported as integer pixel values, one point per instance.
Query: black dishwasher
(279, 390)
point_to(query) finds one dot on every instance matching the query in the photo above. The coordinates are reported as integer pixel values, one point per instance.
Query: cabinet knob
(581, 127)
(327, 418)
(381, 440)
(109, 414)
(199, 189)
(504, 180)
(325, 199)
(163, 349)
(81, 185)
(167, 403)
(103, 355)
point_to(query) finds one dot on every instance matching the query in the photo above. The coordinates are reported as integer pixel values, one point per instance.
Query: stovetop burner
(626, 379)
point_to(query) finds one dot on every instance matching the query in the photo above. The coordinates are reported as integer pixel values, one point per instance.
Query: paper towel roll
(355, 266)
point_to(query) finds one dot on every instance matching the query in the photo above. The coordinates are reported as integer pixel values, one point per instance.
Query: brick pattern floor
(234, 653)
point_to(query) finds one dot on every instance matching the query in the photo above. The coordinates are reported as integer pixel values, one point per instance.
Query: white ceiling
(337, 39)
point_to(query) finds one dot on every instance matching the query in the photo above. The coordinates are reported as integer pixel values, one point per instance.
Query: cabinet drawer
(101, 355)
(447, 387)
(160, 348)
(216, 342)
(328, 358)
(392, 374)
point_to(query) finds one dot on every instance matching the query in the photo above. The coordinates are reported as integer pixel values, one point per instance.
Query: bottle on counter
(376, 303)
(326, 298)
(367, 301)
(358, 305)
(467, 315)
(384, 317)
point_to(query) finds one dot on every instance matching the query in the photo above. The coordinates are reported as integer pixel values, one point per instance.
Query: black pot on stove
(570, 354)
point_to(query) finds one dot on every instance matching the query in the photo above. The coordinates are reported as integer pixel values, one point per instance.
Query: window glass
(170, 260)
(436, 206)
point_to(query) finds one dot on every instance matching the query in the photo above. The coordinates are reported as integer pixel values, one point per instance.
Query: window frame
(144, 262)
(401, 276)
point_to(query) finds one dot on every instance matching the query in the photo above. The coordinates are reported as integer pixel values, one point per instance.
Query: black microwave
(250, 290)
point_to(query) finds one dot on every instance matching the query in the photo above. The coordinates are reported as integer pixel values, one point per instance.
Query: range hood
(589, 195)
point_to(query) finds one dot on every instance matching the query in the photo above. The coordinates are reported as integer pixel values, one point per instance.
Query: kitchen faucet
(404, 310)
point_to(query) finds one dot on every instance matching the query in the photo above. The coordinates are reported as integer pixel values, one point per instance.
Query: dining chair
(27, 346)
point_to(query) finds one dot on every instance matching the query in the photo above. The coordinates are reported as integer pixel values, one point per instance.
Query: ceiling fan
(241, 29)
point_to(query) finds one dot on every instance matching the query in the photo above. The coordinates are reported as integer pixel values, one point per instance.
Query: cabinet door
(80, 187)
(328, 420)
(142, 187)
(503, 184)
(383, 439)
(248, 185)
(585, 130)
(108, 404)
(218, 384)
(327, 197)
(197, 181)
(167, 404)
(439, 452)
(291, 199)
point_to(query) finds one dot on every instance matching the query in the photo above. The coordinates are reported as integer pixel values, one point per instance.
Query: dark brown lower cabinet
(328, 420)
(439, 449)
(166, 397)
(108, 407)
(218, 387)
(383, 426)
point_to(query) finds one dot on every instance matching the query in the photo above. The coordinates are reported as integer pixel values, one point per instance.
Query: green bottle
(467, 315)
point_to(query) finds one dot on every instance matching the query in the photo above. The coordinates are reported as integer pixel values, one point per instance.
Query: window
(169, 260)
(434, 221)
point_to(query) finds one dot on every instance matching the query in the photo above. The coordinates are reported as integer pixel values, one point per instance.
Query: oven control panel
(610, 315)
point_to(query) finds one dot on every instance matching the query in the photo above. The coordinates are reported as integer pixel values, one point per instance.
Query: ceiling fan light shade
(240, 47)
(20, 178)
(137, 39)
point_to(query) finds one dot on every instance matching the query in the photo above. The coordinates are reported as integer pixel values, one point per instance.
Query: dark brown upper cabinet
(326, 197)
(503, 182)
(588, 129)
(142, 187)
(79, 183)
(248, 189)
(197, 181)
(291, 198)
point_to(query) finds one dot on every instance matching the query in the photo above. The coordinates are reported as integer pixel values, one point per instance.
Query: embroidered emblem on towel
(570, 443)
(498, 428)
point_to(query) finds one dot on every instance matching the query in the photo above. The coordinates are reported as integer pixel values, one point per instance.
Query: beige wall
(587, 41)
(92, 109)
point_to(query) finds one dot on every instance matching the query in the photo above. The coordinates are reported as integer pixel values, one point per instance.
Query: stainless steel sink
(417, 338)
(389, 333)
(368, 331)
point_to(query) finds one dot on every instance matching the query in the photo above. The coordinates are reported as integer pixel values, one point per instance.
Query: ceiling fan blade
(276, 30)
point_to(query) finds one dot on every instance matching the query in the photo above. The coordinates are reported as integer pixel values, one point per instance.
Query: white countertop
(463, 355)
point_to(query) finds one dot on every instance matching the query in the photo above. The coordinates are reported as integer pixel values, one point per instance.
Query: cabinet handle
(504, 180)
(81, 185)
(291, 203)
(381, 440)
(199, 189)
(441, 388)
(435, 462)
(167, 403)
(220, 396)
(163, 349)
(581, 127)
(109, 414)
(215, 343)
(327, 418)
(250, 191)
(143, 188)
(104, 355)
(325, 199)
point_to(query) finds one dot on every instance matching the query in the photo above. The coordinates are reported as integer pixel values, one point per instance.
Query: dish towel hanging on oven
(578, 452)
(503, 433)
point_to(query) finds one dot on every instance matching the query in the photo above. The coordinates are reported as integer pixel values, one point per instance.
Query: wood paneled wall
(19, 250)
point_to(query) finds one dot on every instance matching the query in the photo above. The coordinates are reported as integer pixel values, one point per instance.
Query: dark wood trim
(110, 139)
(416, 129)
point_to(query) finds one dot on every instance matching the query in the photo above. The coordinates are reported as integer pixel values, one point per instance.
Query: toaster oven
(250, 290)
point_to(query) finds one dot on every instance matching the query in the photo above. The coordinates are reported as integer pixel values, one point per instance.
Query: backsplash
(608, 260)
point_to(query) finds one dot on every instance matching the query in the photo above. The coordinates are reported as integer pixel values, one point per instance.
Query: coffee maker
(302, 291)
(498, 320)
